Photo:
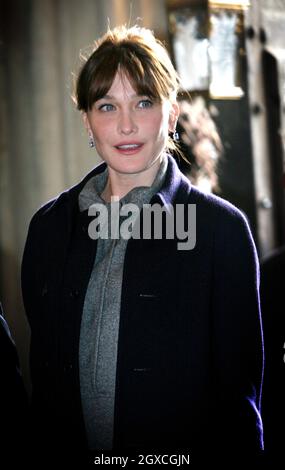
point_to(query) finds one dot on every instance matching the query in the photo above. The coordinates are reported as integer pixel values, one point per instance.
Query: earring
(91, 140)
(175, 136)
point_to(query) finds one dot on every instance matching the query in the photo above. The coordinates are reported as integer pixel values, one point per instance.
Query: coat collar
(175, 188)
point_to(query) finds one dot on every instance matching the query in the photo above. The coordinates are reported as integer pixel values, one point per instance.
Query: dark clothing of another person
(273, 402)
(13, 400)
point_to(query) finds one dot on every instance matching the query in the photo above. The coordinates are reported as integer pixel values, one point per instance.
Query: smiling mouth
(129, 149)
(128, 146)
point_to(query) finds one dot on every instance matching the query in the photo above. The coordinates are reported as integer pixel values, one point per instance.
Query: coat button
(149, 295)
(67, 368)
(44, 290)
(74, 293)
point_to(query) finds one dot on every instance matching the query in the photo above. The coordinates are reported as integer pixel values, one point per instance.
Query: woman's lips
(129, 149)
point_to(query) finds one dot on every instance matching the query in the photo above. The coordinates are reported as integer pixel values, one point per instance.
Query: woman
(139, 343)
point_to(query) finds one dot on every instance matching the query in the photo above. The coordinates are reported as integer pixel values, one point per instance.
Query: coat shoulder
(228, 225)
(67, 199)
(220, 209)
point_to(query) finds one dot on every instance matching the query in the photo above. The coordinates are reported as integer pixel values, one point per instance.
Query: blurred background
(231, 59)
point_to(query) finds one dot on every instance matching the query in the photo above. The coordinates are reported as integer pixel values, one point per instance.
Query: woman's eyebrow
(111, 97)
(106, 97)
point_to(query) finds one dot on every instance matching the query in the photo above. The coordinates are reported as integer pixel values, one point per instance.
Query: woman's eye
(145, 104)
(106, 107)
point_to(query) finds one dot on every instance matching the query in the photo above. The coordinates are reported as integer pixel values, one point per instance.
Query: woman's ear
(88, 129)
(86, 121)
(173, 116)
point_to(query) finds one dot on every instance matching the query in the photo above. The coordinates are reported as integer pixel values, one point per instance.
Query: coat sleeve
(29, 278)
(237, 338)
(32, 263)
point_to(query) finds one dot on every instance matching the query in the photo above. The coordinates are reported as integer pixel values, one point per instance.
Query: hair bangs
(126, 62)
(102, 78)
(137, 56)
(138, 72)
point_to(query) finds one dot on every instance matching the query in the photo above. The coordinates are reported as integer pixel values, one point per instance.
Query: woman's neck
(119, 184)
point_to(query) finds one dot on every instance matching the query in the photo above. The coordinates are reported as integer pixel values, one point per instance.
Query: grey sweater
(101, 316)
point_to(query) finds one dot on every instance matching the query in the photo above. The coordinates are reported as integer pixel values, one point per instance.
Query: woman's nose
(127, 124)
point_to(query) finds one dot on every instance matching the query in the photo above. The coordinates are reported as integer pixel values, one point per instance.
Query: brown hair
(137, 54)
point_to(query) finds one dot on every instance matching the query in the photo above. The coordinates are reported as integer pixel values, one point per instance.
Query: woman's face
(130, 131)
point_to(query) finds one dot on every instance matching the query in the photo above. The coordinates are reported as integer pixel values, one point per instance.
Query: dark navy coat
(190, 353)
